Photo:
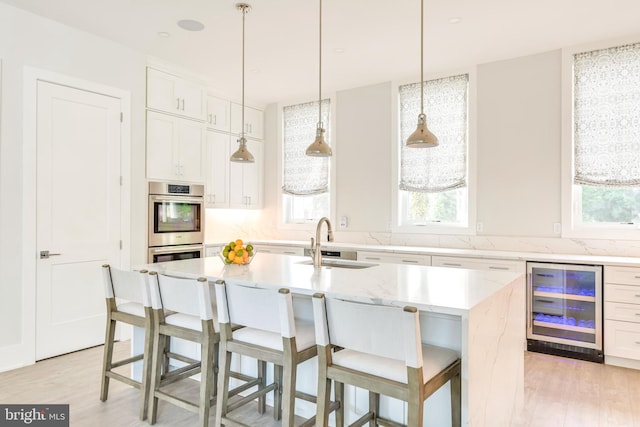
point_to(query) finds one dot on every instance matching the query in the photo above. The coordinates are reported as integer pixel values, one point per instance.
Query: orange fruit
(237, 260)
(239, 242)
(231, 256)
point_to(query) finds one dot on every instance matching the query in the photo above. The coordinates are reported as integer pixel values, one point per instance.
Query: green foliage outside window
(605, 204)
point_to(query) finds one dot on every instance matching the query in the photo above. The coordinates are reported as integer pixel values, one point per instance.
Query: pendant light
(242, 154)
(422, 136)
(319, 147)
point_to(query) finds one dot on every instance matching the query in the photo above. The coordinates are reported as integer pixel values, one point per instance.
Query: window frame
(572, 226)
(309, 225)
(396, 204)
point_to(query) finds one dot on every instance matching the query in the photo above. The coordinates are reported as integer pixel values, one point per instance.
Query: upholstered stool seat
(182, 308)
(128, 301)
(268, 333)
(378, 348)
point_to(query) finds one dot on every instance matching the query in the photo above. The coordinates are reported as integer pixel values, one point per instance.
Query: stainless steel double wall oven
(176, 221)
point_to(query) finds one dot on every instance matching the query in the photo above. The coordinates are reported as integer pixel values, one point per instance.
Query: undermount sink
(340, 263)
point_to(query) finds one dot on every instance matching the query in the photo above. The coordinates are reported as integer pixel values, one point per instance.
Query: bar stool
(128, 301)
(269, 333)
(379, 349)
(193, 319)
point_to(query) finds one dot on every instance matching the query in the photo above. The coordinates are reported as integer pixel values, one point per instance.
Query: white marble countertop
(434, 289)
(473, 253)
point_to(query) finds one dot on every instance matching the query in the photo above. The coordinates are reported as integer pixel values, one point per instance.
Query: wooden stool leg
(277, 393)
(223, 385)
(108, 357)
(262, 376)
(158, 353)
(324, 388)
(288, 392)
(339, 396)
(147, 369)
(374, 408)
(415, 403)
(456, 400)
(206, 379)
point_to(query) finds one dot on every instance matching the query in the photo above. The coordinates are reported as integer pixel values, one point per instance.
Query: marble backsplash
(225, 226)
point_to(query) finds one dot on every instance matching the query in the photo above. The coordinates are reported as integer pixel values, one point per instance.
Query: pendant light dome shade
(242, 154)
(319, 147)
(422, 136)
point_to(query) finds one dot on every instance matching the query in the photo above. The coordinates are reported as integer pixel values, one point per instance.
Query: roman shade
(302, 174)
(444, 167)
(607, 117)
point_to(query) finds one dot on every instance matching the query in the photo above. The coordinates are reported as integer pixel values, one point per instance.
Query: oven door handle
(176, 199)
(175, 249)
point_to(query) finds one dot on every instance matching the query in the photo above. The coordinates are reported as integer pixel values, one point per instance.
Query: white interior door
(78, 214)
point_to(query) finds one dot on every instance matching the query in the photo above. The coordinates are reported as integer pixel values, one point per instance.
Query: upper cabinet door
(175, 95)
(218, 114)
(253, 121)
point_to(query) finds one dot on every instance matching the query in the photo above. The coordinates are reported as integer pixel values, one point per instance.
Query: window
(305, 180)
(433, 187)
(606, 138)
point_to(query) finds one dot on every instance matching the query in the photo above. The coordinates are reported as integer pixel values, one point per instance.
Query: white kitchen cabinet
(245, 179)
(173, 94)
(394, 258)
(277, 249)
(622, 316)
(175, 148)
(253, 121)
(217, 170)
(218, 114)
(479, 263)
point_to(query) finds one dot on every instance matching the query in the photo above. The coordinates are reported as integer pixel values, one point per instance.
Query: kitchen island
(480, 314)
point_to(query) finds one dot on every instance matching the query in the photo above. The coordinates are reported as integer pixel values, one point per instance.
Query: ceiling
(364, 41)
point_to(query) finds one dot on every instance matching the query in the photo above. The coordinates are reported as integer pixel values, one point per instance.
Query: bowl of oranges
(237, 252)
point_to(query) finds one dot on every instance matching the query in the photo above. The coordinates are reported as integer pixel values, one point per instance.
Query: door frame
(31, 77)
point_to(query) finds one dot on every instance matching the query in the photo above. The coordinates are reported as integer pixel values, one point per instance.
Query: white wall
(518, 169)
(27, 40)
(519, 146)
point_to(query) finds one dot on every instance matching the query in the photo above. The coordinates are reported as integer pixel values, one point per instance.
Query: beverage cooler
(564, 310)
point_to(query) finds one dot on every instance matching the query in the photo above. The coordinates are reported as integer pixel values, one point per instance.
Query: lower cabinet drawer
(478, 263)
(622, 293)
(622, 339)
(394, 258)
(622, 311)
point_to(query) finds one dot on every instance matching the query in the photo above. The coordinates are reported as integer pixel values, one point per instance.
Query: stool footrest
(305, 396)
(243, 387)
(181, 358)
(183, 403)
(123, 378)
(383, 422)
(126, 361)
(249, 398)
(369, 416)
(180, 374)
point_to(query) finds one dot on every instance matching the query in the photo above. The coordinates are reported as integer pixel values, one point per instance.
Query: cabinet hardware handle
(373, 258)
(289, 252)
(177, 103)
(215, 119)
(636, 277)
(637, 314)
(182, 104)
(493, 267)
(545, 300)
(410, 261)
(637, 295)
(210, 118)
(451, 264)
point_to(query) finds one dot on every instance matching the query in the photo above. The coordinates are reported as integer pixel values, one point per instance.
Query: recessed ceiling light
(191, 25)
(163, 34)
(455, 20)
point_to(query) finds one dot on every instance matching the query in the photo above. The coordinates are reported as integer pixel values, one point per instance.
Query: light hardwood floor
(559, 392)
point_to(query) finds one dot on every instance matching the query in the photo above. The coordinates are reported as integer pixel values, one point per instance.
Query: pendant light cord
(244, 13)
(422, 57)
(320, 68)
